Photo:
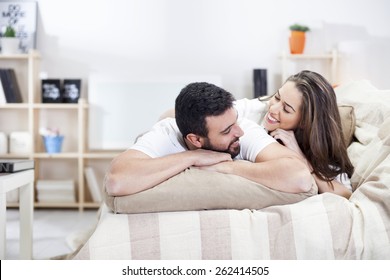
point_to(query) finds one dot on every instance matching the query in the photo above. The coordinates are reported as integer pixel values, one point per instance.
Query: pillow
(195, 189)
(348, 122)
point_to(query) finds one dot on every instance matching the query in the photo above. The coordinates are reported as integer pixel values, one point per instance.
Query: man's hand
(203, 157)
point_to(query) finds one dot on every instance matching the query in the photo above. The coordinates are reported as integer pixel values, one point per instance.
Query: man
(208, 135)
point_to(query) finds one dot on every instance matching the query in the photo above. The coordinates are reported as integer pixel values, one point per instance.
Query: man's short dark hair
(196, 102)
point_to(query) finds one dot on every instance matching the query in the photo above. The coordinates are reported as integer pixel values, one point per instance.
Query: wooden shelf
(32, 54)
(74, 118)
(57, 106)
(332, 58)
(15, 106)
(74, 155)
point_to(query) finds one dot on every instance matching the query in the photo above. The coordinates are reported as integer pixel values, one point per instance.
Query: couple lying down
(210, 132)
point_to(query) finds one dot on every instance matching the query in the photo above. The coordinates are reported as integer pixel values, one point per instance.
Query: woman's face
(284, 108)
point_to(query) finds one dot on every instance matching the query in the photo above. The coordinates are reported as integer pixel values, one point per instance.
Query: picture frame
(71, 90)
(51, 91)
(23, 17)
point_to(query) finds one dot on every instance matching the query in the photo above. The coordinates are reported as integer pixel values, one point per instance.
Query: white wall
(226, 38)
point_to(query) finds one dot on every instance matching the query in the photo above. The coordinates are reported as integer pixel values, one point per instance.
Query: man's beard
(232, 151)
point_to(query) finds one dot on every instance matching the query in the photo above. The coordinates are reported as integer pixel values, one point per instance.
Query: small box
(71, 90)
(51, 91)
(20, 142)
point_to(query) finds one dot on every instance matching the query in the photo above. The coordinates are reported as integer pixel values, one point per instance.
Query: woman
(304, 116)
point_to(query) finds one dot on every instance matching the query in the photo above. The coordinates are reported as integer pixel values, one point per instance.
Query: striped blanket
(323, 226)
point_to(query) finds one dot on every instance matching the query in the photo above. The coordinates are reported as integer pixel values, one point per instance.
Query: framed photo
(51, 91)
(71, 90)
(23, 17)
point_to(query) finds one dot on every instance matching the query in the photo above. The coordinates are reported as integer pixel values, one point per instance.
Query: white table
(23, 180)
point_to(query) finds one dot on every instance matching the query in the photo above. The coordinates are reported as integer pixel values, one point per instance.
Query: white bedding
(323, 226)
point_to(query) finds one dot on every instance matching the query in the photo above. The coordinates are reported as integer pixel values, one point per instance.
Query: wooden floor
(53, 231)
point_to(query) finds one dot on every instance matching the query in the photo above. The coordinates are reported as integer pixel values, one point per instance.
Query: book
(50, 191)
(15, 165)
(3, 100)
(10, 85)
(14, 86)
(55, 185)
(5, 85)
(93, 185)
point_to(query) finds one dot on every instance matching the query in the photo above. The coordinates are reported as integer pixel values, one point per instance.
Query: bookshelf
(329, 62)
(31, 114)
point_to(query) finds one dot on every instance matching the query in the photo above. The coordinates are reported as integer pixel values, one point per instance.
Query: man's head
(206, 117)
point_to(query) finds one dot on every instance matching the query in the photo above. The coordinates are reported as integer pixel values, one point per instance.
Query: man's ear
(195, 140)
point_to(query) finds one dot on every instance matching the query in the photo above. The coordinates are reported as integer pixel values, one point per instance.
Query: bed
(226, 224)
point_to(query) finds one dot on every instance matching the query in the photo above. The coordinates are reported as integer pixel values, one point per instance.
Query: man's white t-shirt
(165, 139)
(251, 109)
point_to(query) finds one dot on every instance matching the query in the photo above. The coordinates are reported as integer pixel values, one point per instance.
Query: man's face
(224, 133)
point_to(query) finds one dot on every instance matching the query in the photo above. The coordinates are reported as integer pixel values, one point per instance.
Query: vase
(9, 45)
(297, 42)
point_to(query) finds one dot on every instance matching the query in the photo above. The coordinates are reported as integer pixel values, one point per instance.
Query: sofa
(202, 216)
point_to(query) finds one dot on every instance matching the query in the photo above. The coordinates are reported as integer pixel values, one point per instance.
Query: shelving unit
(330, 59)
(70, 118)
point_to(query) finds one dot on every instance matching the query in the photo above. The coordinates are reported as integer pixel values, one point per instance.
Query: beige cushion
(195, 189)
(348, 122)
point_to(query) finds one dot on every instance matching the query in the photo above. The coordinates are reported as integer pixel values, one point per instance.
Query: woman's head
(285, 108)
(300, 101)
(307, 104)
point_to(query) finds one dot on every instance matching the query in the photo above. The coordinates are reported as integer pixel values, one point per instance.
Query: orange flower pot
(297, 42)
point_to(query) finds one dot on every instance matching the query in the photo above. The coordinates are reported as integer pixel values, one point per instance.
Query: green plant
(9, 32)
(298, 27)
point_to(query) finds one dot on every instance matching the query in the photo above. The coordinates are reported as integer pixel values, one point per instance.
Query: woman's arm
(275, 167)
(288, 139)
(338, 188)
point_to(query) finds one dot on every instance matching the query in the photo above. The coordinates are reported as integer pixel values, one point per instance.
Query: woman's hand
(288, 139)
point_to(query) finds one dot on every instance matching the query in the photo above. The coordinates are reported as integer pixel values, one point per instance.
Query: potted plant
(9, 41)
(298, 38)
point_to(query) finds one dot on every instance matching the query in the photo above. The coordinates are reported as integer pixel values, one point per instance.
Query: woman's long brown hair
(319, 133)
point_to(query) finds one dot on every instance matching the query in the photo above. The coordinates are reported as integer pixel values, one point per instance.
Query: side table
(24, 180)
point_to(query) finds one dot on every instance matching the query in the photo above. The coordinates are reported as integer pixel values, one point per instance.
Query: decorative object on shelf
(71, 90)
(23, 17)
(260, 82)
(52, 140)
(53, 144)
(9, 41)
(51, 91)
(20, 142)
(298, 38)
